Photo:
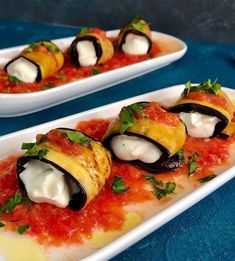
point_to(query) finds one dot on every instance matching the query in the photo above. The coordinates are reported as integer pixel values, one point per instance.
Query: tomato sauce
(154, 112)
(55, 226)
(211, 98)
(70, 73)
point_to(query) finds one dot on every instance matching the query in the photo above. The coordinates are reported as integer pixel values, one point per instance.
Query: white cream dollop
(199, 125)
(135, 44)
(44, 183)
(86, 53)
(23, 69)
(134, 148)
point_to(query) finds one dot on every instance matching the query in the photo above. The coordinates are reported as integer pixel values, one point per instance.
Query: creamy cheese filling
(44, 183)
(86, 53)
(134, 148)
(135, 44)
(199, 125)
(23, 69)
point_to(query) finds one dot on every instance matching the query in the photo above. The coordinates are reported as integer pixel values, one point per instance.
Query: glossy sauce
(54, 226)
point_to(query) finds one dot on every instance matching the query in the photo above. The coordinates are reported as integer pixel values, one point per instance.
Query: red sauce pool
(70, 73)
(55, 226)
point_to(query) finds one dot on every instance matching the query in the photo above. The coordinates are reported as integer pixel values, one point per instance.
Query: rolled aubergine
(147, 135)
(135, 38)
(64, 168)
(91, 47)
(205, 110)
(38, 61)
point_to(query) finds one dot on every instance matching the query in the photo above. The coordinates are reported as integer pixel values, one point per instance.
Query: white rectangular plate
(20, 104)
(12, 143)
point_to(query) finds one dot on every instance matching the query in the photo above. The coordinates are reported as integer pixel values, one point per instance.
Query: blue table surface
(206, 231)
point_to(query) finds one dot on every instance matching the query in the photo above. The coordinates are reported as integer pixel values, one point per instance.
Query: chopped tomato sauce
(154, 112)
(71, 73)
(211, 98)
(54, 225)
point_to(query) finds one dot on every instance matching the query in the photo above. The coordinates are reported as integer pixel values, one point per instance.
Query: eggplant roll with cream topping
(205, 109)
(91, 47)
(38, 61)
(147, 135)
(63, 167)
(135, 38)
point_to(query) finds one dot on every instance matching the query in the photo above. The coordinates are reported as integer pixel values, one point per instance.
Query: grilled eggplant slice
(135, 38)
(64, 168)
(91, 47)
(205, 109)
(38, 61)
(147, 135)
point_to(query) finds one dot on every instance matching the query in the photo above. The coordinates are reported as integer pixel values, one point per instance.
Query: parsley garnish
(13, 79)
(207, 178)
(48, 86)
(84, 30)
(180, 154)
(95, 71)
(161, 189)
(33, 150)
(205, 87)
(2, 224)
(137, 23)
(193, 163)
(21, 229)
(127, 116)
(33, 46)
(15, 200)
(62, 77)
(53, 48)
(118, 186)
(78, 137)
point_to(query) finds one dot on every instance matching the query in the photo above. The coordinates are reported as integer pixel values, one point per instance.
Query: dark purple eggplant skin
(39, 74)
(193, 107)
(77, 201)
(74, 52)
(164, 164)
(136, 32)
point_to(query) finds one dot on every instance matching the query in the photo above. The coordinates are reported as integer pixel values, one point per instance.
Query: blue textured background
(205, 231)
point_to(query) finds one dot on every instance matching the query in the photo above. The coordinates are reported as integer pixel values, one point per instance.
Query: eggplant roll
(91, 47)
(205, 109)
(64, 168)
(38, 61)
(147, 135)
(135, 38)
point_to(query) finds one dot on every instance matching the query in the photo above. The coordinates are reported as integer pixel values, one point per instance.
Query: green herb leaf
(118, 186)
(53, 48)
(205, 87)
(13, 79)
(193, 163)
(34, 150)
(15, 200)
(2, 224)
(33, 46)
(48, 86)
(84, 30)
(42, 153)
(62, 77)
(21, 229)
(180, 154)
(79, 137)
(95, 71)
(149, 178)
(127, 115)
(161, 189)
(137, 23)
(207, 178)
